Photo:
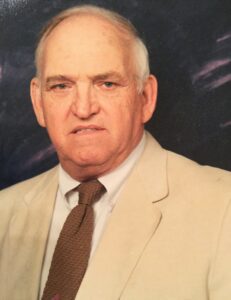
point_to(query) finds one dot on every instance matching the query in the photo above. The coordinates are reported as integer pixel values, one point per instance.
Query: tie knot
(90, 191)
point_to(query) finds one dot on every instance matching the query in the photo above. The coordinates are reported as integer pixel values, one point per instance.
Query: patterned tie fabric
(71, 255)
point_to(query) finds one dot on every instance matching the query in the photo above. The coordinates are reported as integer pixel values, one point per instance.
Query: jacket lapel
(134, 220)
(27, 238)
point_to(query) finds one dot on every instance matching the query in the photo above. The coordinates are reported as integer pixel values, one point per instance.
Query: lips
(87, 129)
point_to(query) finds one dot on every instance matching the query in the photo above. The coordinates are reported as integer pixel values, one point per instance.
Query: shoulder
(16, 192)
(182, 170)
(201, 193)
(19, 196)
(185, 179)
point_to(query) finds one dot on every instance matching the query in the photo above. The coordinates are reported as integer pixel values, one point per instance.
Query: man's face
(87, 96)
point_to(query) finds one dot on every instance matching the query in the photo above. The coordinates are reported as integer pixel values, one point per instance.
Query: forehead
(86, 42)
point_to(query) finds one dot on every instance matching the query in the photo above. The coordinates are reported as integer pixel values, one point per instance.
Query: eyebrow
(58, 78)
(104, 76)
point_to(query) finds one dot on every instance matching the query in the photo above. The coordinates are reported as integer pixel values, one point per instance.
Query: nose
(85, 104)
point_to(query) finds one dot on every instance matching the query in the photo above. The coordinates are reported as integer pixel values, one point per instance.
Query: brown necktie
(71, 255)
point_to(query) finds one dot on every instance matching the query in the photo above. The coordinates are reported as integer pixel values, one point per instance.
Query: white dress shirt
(113, 183)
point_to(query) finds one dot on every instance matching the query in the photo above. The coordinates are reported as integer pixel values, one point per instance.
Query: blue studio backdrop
(190, 53)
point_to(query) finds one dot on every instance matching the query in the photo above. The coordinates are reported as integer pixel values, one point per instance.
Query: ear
(36, 98)
(149, 97)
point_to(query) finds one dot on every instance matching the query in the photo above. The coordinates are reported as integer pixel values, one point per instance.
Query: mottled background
(190, 53)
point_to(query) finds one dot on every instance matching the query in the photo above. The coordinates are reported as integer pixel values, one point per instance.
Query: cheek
(55, 123)
(125, 112)
(54, 111)
(134, 111)
(123, 122)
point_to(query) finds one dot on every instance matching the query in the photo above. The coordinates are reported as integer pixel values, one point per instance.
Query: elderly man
(120, 217)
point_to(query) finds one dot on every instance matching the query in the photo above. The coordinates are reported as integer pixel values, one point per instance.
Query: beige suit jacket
(168, 238)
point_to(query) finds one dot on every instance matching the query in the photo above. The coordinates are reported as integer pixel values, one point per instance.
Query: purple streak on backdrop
(218, 82)
(212, 70)
(226, 124)
(224, 37)
(1, 72)
(39, 156)
(209, 67)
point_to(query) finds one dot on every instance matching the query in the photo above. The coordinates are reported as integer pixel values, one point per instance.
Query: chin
(90, 159)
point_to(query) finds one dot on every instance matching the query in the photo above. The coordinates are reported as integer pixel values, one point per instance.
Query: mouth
(81, 130)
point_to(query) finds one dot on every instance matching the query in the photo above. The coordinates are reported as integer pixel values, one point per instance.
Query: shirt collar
(66, 182)
(112, 181)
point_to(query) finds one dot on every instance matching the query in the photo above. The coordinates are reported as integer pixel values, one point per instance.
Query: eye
(109, 84)
(59, 86)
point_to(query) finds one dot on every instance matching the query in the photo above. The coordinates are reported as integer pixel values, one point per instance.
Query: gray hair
(141, 59)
